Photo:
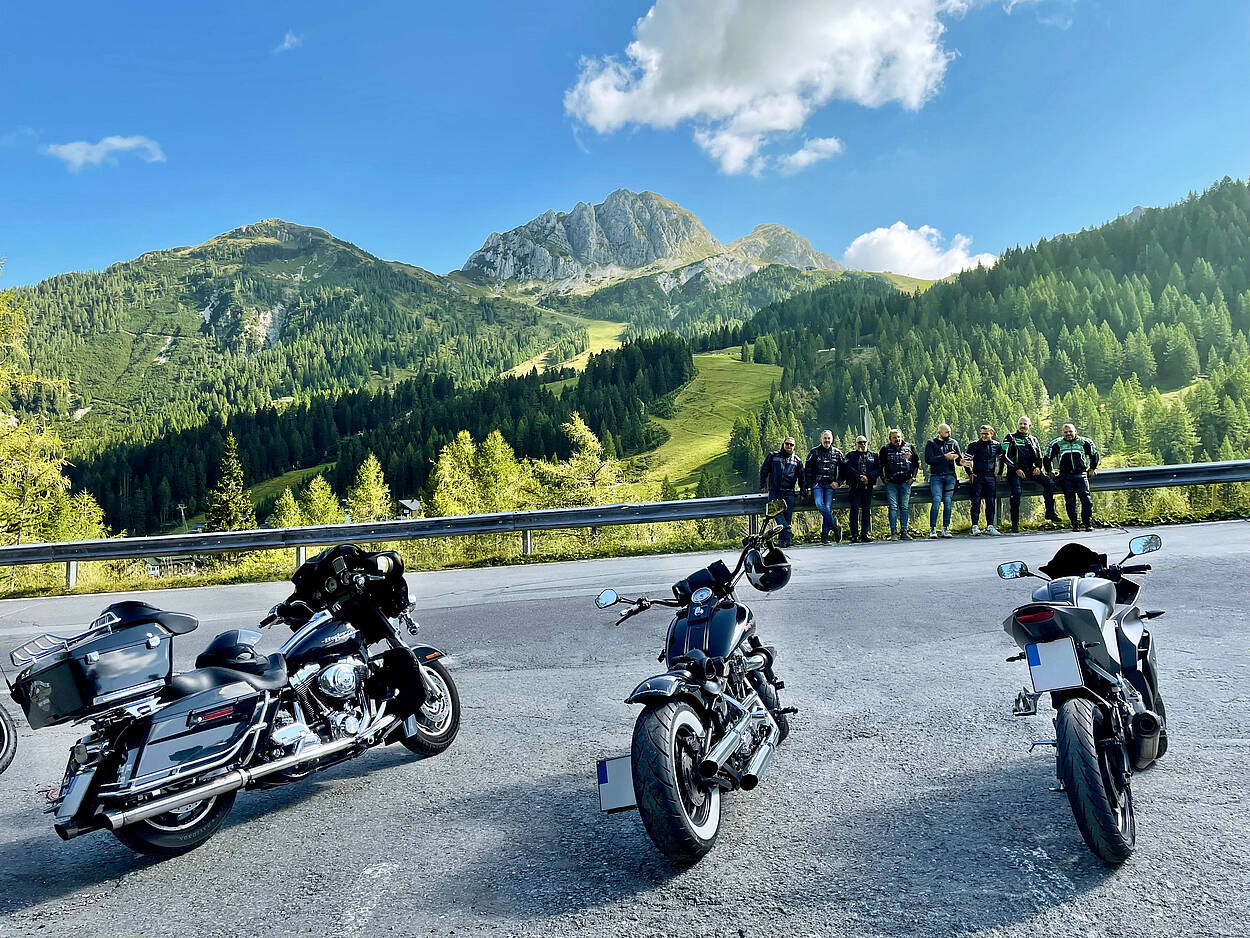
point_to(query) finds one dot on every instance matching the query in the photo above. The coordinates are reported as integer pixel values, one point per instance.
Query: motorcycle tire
(8, 739)
(1102, 808)
(768, 694)
(679, 809)
(435, 732)
(176, 832)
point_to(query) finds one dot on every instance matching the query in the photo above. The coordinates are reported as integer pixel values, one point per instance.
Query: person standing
(1073, 460)
(981, 463)
(861, 470)
(782, 475)
(941, 455)
(1021, 459)
(823, 472)
(899, 466)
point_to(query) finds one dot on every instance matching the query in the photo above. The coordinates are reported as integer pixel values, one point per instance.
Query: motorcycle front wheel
(8, 739)
(1102, 803)
(679, 808)
(438, 719)
(177, 831)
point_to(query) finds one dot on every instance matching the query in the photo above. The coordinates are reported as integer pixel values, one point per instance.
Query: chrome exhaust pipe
(728, 744)
(1144, 745)
(761, 760)
(236, 779)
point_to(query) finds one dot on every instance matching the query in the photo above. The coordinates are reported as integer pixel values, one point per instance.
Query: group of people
(1070, 461)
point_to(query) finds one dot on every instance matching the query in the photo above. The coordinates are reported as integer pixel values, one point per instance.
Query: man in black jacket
(861, 470)
(981, 462)
(941, 455)
(823, 471)
(782, 475)
(1074, 459)
(899, 466)
(1021, 460)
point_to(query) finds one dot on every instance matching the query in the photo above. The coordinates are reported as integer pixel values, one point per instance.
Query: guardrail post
(71, 574)
(301, 553)
(527, 543)
(753, 524)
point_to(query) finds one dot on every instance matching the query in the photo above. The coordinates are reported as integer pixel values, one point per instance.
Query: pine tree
(229, 506)
(286, 513)
(319, 504)
(369, 497)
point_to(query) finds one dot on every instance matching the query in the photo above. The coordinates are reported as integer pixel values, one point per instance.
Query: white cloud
(916, 252)
(812, 151)
(289, 41)
(80, 153)
(749, 73)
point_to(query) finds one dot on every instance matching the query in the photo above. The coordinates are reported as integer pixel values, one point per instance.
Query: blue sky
(414, 130)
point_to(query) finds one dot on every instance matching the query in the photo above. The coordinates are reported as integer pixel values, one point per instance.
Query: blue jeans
(822, 497)
(942, 488)
(786, 514)
(898, 497)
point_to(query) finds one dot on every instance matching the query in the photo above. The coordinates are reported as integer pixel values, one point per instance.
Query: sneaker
(932, 533)
(837, 535)
(946, 532)
(904, 536)
(1054, 518)
(824, 539)
(1015, 529)
(1089, 527)
(865, 539)
(975, 530)
(990, 529)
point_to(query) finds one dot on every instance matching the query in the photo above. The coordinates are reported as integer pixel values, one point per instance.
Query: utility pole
(182, 510)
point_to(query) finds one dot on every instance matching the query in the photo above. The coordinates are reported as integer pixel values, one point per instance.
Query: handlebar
(1136, 568)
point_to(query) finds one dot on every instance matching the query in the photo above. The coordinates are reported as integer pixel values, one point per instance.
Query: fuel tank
(322, 641)
(715, 629)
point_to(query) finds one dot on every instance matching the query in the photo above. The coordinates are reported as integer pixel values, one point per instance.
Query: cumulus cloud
(748, 74)
(916, 252)
(289, 41)
(812, 151)
(80, 153)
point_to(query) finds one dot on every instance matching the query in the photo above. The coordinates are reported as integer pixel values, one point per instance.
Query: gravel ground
(904, 804)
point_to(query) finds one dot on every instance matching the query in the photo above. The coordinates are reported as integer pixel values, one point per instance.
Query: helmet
(768, 571)
(234, 649)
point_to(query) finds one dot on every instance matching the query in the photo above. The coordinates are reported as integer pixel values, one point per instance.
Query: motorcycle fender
(75, 793)
(663, 687)
(426, 653)
(1058, 697)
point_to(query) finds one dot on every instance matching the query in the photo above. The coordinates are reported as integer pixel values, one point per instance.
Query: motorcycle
(1086, 644)
(8, 740)
(167, 753)
(712, 722)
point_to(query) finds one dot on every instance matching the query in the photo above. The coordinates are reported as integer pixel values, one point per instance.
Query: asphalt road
(905, 803)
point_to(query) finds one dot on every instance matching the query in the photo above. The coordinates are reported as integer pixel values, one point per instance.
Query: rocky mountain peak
(776, 244)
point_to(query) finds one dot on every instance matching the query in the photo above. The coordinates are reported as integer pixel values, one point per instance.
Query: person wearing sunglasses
(860, 469)
(782, 475)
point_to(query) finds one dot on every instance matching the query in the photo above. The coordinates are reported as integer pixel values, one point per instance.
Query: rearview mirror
(606, 598)
(1014, 570)
(1146, 544)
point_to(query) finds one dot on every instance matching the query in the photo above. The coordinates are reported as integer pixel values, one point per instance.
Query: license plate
(1054, 665)
(616, 784)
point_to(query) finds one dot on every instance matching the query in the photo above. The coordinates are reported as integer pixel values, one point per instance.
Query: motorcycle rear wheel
(679, 808)
(1101, 804)
(178, 831)
(438, 721)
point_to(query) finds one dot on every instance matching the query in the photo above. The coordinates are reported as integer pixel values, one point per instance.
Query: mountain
(267, 311)
(632, 234)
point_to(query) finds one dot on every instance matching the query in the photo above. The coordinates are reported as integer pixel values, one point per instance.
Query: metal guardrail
(752, 506)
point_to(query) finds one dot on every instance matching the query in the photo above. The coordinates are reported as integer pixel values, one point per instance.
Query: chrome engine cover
(343, 679)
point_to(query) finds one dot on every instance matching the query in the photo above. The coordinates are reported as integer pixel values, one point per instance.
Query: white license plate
(616, 784)
(1054, 665)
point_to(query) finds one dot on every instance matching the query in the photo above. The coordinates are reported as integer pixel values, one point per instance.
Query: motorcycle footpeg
(788, 710)
(1025, 704)
(1042, 742)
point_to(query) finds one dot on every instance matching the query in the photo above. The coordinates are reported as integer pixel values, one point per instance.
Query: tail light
(1030, 617)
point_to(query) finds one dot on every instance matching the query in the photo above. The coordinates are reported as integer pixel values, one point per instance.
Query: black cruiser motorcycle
(712, 722)
(1087, 645)
(167, 752)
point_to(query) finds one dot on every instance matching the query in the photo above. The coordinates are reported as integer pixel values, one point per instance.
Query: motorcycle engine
(333, 697)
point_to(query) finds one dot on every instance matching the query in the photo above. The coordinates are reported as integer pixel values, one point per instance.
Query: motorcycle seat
(202, 679)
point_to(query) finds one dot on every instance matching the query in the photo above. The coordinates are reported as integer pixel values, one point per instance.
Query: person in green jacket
(1073, 460)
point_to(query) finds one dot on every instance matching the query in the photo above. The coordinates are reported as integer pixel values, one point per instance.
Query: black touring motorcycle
(712, 722)
(167, 752)
(1086, 644)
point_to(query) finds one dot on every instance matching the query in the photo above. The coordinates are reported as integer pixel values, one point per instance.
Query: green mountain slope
(266, 311)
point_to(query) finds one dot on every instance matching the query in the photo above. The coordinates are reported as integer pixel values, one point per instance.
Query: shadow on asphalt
(552, 851)
(970, 853)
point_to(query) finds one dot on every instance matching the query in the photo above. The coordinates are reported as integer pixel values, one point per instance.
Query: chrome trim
(728, 744)
(140, 689)
(761, 758)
